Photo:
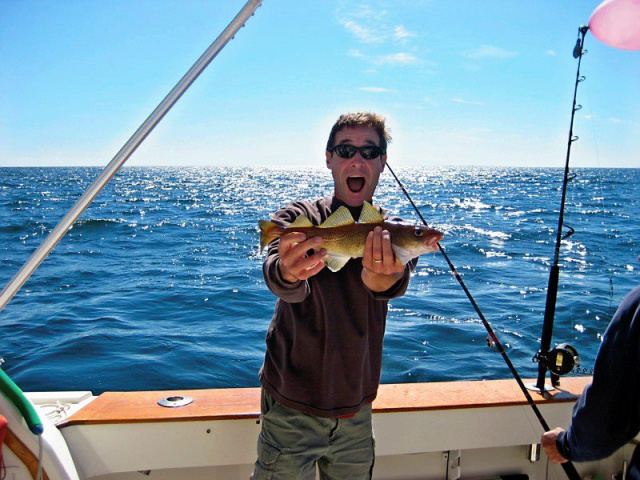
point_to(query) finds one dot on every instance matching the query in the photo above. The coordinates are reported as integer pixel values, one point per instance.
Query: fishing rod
(568, 467)
(125, 152)
(561, 359)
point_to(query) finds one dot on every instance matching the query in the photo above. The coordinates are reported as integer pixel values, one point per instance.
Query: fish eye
(418, 232)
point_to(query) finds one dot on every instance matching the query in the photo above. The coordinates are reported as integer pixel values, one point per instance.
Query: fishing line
(568, 467)
(607, 254)
(486, 324)
(571, 249)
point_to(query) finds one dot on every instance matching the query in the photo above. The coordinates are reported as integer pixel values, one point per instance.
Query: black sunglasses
(368, 152)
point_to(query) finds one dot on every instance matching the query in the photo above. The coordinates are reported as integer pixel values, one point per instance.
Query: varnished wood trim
(25, 455)
(408, 397)
(239, 403)
(138, 407)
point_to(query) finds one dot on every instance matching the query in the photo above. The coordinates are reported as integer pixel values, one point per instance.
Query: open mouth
(355, 183)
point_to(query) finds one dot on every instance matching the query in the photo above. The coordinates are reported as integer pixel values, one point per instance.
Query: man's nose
(358, 158)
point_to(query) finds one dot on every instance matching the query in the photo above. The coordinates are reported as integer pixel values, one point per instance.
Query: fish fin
(335, 262)
(301, 222)
(370, 214)
(266, 233)
(339, 218)
(402, 254)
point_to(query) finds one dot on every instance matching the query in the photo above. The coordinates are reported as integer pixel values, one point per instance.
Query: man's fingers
(315, 264)
(548, 441)
(290, 239)
(300, 250)
(295, 264)
(377, 254)
(368, 247)
(387, 251)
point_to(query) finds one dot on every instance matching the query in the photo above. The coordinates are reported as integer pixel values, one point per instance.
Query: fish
(344, 239)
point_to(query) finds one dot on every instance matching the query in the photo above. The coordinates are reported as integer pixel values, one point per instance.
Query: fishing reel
(562, 359)
(559, 361)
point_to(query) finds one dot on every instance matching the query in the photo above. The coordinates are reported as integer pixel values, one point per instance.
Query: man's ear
(383, 160)
(329, 158)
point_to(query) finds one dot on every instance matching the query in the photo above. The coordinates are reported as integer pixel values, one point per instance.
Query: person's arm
(606, 416)
(288, 265)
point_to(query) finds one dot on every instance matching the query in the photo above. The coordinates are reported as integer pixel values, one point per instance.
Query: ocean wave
(160, 282)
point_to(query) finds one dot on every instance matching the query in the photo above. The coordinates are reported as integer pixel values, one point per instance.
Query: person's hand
(381, 267)
(548, 441)
(294, 263)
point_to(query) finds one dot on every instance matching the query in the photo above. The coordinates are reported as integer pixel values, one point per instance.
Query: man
(324, 345)
(607, 414)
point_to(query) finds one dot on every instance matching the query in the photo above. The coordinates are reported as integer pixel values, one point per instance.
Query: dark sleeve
(400, 287)
(607, 414)
(289, 292)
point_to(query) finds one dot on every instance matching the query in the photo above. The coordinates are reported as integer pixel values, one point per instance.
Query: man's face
(355, 179)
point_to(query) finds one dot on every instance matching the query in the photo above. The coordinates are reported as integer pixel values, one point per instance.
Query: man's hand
(294, 264)
(548, 441)
(381, 267)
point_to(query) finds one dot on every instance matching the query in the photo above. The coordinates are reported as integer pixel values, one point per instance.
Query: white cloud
(489, 51)
(370, 23)
(466, 102)
(615, 120)
(551, 53)
(390, 60)
(401, 58)
(375, 89)
(363, 33)
(401, 33)
(355, 53)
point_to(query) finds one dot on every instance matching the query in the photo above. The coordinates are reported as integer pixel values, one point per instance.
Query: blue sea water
(159, 284)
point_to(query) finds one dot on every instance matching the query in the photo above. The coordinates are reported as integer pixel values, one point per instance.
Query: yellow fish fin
(370, 214)
(301, 222)
(266, 235)
(335, 262)
(339, 218)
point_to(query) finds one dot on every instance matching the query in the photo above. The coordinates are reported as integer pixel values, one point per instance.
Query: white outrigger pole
(125, 152)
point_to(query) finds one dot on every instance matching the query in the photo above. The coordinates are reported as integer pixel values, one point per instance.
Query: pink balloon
(617, 23)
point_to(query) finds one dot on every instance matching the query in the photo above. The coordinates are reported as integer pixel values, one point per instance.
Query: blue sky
(461, 82)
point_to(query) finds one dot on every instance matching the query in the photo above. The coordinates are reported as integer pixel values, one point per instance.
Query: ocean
(159, 285)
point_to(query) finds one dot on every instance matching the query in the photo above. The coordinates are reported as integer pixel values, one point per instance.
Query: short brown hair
(361, 119)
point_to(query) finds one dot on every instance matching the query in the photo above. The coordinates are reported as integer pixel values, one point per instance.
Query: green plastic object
(16, 396)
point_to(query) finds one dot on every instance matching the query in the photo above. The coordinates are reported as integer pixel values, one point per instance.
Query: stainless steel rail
(125, 152)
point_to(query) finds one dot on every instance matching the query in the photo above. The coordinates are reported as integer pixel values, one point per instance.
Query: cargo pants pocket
(267, 457)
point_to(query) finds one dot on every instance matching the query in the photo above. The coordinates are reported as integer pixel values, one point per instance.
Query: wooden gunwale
(244, 403)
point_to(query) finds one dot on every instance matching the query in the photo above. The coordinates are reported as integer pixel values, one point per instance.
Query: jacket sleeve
(400, 287)
(289, 292)
(607, 414)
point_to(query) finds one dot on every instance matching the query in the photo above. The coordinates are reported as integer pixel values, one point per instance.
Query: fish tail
(268, 233)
